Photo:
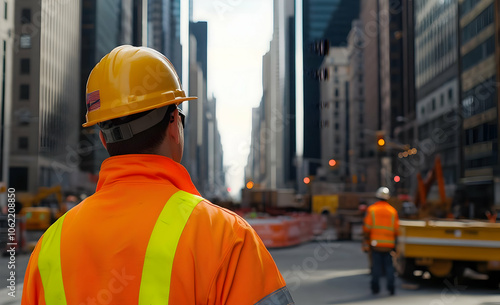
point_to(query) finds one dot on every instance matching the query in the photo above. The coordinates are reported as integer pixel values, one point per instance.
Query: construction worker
(381, 225)
(146, 236)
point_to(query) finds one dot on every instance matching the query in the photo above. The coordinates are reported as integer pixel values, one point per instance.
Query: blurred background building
(45, 94)
(436, 83)
(325, 23)
(479, 61)
(7, 38)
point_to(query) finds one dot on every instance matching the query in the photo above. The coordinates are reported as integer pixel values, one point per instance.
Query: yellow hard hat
(130, 80)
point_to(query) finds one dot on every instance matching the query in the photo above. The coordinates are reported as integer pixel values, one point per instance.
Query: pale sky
(239, 33)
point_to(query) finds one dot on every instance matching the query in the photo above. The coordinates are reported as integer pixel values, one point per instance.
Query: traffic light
(397, 179)
(381, 140)
(250, 185)
(307, 180)
(332, 162)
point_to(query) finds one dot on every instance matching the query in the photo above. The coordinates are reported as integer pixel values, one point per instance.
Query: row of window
(436, 13)
(467, 6)
(481, 162)
(482, 133)
(480, 98)
(479, 53)
(432, 105)
(483, 20)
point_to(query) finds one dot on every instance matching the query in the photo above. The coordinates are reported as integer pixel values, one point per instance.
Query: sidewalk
(5, 299)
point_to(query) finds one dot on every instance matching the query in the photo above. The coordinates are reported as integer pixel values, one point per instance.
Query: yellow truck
(446, 247)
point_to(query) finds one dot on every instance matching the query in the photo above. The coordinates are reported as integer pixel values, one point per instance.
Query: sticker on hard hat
(93, 101)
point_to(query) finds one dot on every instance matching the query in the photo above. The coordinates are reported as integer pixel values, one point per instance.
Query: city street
(324, 272)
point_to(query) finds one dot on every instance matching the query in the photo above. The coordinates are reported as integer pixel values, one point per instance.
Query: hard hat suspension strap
(126, 131)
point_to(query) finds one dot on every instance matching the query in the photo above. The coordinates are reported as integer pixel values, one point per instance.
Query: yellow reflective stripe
(49, 264)
(385, 241)
(157, 269)
(373, 218)
(384, 227)
(392, 221)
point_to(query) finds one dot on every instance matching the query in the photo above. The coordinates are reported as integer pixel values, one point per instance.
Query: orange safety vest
(382, 224)
(146, 237)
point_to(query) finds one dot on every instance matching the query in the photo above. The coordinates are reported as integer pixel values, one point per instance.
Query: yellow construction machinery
(41, 217)
(444, 246)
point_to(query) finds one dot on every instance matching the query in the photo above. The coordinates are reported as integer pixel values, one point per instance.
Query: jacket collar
(145, 168)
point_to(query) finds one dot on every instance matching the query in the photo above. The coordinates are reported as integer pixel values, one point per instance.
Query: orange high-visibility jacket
(382, 224)
(146, 237)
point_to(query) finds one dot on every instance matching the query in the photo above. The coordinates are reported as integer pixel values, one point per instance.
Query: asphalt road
(323, 272)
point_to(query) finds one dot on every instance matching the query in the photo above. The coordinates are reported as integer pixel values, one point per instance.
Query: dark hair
(146, 142)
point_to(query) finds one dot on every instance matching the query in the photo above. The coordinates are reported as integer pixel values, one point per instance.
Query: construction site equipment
(344, 210)
(444, 246)
(41, 217)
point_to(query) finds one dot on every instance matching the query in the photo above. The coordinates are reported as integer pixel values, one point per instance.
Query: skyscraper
(105, 25)
(322, 20)
(274, 133)
(45, 95)
(478, 44)
(436, 82)
(164, 30)
(6, 59)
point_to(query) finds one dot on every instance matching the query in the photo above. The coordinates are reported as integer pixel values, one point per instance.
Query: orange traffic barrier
(289, 230)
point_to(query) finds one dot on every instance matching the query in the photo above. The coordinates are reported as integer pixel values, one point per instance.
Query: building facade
(358, 141)
(45, 95)
(323, 20)
(271, 159)
(105, 25)
(335, 118)
(164, 33)
(436, 84)
(6, 60)
(478, 43)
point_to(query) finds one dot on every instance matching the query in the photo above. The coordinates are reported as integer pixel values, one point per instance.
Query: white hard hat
(383, 193)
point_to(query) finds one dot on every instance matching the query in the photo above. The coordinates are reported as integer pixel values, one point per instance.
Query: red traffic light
(307, 180)
(332, 162)
(397, 178)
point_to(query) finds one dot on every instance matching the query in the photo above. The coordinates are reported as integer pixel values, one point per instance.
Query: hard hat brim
(127, 112)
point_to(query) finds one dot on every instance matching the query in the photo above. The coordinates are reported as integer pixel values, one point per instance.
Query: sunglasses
(181, 114)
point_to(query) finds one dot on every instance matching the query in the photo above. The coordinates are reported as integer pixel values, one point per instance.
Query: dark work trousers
(382, 261)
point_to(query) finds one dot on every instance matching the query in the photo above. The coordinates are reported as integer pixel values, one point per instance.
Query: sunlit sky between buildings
(239, 33)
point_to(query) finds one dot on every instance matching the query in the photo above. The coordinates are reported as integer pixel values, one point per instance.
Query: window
(337, 104)
(336, 92)
(336, 126)
(450, 95)
(360, 78)
(25, 42)
(26, 16)
(422, 110)
(24, 92)
(442, 99)
(483, 20)
(433, 104)
(479, 53)
(22, 143)
(18, 178)
(5, 10)
(25, 66)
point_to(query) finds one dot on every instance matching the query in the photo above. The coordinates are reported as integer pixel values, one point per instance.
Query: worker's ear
(173, 132)
(101, 136)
